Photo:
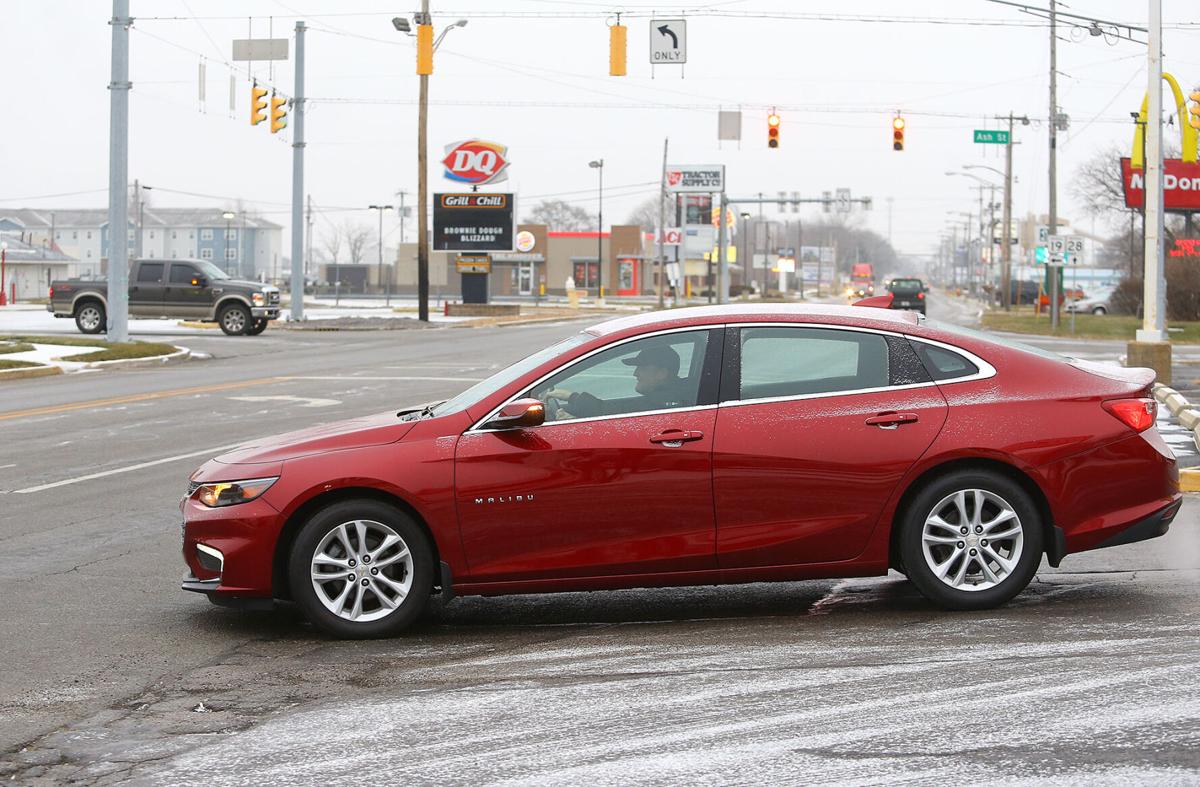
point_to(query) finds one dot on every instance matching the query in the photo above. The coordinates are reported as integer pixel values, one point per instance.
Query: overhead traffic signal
(278, 114)
(1194, 110)
(898, 133)
(617, 38)
(258, 105)
(773, 130)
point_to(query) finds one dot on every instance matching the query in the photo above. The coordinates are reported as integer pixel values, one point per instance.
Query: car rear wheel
(1099, 310)
(361, 569)
(234, 319)
(90, 317)
(971, 540)
(257, 327)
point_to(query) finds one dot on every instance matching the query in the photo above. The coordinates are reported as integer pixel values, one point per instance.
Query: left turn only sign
(668, 41)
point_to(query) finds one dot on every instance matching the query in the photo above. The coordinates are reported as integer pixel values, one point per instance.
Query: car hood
(242, 284)
(378, 429)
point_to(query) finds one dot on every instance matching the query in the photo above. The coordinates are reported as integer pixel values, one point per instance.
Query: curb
(30, 371)
(181, 354)
(1189, 417)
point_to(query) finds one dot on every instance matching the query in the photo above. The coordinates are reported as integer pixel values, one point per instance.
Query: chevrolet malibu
(711, 445)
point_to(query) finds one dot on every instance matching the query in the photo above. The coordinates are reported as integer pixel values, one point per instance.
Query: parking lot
(114, 675)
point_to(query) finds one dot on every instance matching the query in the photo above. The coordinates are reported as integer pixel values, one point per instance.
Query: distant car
(711, 445)
(1096, 303)
(908, 294)
(1020, 293)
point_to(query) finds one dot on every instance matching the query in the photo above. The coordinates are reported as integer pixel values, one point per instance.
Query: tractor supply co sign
(473, 222)
(476, 162)
(700, 178)
(1181, 185)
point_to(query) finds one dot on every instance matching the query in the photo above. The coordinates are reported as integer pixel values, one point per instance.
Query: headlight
(230, 493)
(258, 298)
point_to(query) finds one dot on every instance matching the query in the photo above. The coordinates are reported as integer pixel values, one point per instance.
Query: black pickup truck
(183, 289)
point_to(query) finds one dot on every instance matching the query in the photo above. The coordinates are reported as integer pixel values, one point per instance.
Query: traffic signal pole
(118, 176)
(1054, 271)
(297, 286)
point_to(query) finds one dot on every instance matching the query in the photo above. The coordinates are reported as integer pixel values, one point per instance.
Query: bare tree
(645, 215)
(330, 244)
(357, 238)
(560, 216)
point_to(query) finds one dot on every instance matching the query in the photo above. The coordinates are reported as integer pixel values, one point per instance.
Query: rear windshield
(994, 339)
(906, 285)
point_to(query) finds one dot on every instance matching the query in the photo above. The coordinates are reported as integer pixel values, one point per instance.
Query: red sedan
(697, 446)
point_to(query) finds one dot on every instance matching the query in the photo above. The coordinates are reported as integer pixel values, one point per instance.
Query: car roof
(792, 312)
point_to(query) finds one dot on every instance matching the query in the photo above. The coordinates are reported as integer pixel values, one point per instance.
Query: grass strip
(1087, 326)
(6, 364)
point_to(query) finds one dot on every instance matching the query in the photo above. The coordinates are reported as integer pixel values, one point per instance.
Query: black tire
(324, 523)
(234, 319)
(931, 499)
(90, 316)
(1099, 311)
(257, 327)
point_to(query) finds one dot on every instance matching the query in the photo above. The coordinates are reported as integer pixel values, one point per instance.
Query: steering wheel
(553, 405)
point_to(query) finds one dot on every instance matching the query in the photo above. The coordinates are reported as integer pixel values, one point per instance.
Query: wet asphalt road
(112, 675)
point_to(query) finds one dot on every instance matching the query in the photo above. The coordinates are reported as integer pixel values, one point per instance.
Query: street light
(228, 216)
(3, 264)
(381, 209)
(598, 165)
(403, 26)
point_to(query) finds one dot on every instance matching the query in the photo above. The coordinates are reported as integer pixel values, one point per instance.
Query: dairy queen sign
(476, 162)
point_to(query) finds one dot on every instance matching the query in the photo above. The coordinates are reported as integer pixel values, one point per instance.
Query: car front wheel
(361, 569)
(234, 319)
(971, 540)
(1099, 310)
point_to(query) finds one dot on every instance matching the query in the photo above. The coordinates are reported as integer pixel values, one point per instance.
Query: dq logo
(476, 162)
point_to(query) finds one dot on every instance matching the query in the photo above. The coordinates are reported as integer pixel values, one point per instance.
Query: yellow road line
(94, 403)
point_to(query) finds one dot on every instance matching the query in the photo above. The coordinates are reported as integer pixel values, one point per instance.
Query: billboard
(696, 178)
(473, 222)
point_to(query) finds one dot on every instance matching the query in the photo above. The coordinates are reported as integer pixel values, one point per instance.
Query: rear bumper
(1153, 526)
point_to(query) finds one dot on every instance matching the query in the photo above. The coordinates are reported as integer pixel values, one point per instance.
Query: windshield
(209, 270)
(486, 388)
(994, 339)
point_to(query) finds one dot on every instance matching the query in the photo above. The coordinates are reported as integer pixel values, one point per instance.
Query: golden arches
(1187, 134)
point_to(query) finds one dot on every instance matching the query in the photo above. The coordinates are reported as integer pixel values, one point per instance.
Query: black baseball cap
(661, 356)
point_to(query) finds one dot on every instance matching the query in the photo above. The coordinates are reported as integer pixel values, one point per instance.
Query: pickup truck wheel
(257, 327)
(234, 319)
(90, 317)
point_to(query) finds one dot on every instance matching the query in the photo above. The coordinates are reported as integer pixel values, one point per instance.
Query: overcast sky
(533, 75)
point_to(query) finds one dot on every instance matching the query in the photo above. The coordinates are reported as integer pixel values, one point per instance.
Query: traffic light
(772, 130)
(897, 133)
(258, 105)
(1194, 110)
(278, 114)
(617, 36)
(424, 49)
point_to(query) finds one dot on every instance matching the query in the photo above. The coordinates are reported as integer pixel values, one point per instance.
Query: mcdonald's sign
(1181, 176)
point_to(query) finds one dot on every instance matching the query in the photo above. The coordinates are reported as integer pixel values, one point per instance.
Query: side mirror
(199, 281)
(519, 414)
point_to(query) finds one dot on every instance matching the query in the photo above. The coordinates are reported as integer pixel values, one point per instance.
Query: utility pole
(423, 187)
(1151, 346)
(118, 175)
(297, 288)
(722, 272)
(137, 196)
(399, 248)
(662, 226)
(379, 266)
(1006, 250)
(308, 227)
(1051, 268)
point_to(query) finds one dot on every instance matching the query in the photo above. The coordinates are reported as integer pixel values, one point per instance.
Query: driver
(656, 370)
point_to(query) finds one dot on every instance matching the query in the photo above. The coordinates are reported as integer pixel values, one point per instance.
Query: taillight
(920, 296)
(51, 293)
(1137, 414)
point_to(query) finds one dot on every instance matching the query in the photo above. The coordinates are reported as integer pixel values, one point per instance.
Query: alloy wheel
(89, 318)
(972, 540)
(362, 570)
(234, 321)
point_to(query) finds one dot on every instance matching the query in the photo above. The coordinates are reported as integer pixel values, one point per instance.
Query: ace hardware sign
(473, 222)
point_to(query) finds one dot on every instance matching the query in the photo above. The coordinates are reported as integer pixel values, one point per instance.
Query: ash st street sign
(991, 136)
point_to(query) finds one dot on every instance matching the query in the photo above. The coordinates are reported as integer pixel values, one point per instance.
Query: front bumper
(269, 312)
(229, 551)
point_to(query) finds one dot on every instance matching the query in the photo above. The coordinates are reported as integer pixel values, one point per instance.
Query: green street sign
(991, 136)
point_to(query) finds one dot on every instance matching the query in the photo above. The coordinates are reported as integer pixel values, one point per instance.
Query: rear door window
(784, 362)
(150, 272)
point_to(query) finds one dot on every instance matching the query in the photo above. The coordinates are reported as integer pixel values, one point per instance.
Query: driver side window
(656, 373)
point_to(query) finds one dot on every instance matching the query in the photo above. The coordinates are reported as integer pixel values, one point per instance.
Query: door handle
(673, 438)
(891, 420)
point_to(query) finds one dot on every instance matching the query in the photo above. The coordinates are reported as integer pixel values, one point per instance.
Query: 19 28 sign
(473, 222)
